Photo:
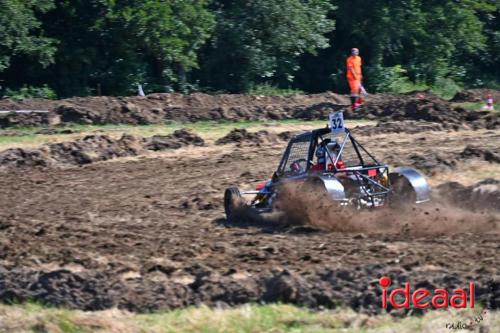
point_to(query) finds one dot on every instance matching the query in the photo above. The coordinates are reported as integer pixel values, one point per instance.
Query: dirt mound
(475, 95)
(28, 119)
(242, 137)
(319, 111)
(323, 287)
(180, 138)
(27, 104)
(196, 100)
(481, 153)
(481, 119)
(12, 132)
(481, 196)
(90, 149)
(157, 108)
(54, 131)
(433, 162)
(404, 126)
(429, 108)
(424, 107)
(94, 148)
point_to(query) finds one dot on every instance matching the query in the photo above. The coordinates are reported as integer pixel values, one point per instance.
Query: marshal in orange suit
(354, 74)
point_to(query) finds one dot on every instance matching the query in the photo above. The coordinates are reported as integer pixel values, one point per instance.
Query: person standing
(354, 76)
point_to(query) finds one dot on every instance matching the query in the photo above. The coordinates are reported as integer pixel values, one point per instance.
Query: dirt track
(160, 108)
(149, 232)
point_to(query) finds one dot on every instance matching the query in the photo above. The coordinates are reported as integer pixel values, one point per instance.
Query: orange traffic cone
(489, 103)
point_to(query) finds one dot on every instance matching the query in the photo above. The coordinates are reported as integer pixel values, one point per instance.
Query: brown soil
(159, 108)
(149, 233)
(196, 100)
(476, 95)
(404, 126)
(484, 195)
(429, 108)
(433, 152)
(28, 120)
(242, 137)
(94, 148)
(178, 139)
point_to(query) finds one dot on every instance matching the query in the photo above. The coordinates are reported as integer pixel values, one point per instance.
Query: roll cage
(303, 146)
(361, 166)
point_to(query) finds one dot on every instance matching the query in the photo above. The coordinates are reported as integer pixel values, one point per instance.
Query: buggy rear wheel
(403, 193)
(233, 202)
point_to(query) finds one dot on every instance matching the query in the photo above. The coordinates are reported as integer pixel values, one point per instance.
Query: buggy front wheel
(232, 203)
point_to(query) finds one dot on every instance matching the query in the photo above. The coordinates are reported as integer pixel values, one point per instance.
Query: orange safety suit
(354, 74)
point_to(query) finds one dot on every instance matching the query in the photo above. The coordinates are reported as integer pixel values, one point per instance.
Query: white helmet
(321, 150)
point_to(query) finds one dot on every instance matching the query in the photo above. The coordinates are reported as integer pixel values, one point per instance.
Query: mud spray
(440, 216)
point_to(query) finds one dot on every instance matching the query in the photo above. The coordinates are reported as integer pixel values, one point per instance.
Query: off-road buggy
(338, 165)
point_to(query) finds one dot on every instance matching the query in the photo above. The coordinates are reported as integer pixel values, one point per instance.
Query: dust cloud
(440, 216)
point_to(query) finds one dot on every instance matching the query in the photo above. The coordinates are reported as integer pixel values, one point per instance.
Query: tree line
(108, 47)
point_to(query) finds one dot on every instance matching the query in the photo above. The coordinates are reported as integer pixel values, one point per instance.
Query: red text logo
(423, 298)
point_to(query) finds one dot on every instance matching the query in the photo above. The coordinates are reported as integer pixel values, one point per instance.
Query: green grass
(208, 130)
(475, 106)
(270, 90)
(446, 90)
(395, 80)
(248, 318)
(24, 139)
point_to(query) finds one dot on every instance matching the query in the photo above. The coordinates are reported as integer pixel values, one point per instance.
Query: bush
(445, 87)
(394, 80)
(31, 92)
(267, 89)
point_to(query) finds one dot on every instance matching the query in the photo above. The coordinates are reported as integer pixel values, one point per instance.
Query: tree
(484, 67)
(111, 46)
(261, 41)
(429, 39)
(20, 32)
(169, 33)
(80, 47)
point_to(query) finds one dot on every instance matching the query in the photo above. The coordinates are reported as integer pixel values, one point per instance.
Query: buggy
(334, 162)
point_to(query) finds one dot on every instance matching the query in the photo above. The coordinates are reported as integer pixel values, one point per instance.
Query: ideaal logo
(439, 298)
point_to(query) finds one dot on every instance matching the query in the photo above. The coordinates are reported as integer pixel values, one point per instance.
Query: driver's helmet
(295, 167)
(321, 151)
(333, 149)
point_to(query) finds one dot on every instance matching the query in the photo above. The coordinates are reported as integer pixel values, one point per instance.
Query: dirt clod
(178, 139)
(484, 195)
(94, 148)
(242, 137)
